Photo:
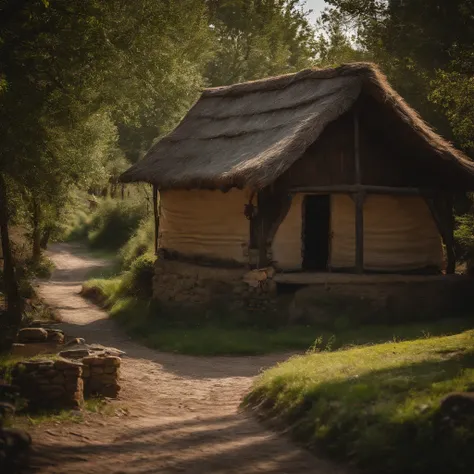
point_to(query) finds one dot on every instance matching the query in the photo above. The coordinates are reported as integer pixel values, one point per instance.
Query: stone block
(110, 391)
(93, 360)
(112, 361)
(75, 353)
(33, 348)
(62, 364)
(97, 370)
(32, 335)
(110, 370)
(108, 379)
(59, 379)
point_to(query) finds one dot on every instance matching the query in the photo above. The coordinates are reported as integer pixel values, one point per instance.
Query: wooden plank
(359, 228)
(359, 200)
(355, 188)
(357, 169)
(156, 216)
(321, 278)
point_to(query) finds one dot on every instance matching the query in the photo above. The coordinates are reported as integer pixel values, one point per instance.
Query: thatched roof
(249, 134)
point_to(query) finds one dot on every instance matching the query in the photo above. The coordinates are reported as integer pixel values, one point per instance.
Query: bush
(141, 243)
(79, 227)
(114, 223)
(464, 236)
(110, 226)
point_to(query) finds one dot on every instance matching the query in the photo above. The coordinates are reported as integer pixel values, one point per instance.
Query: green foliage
(138, 281)
(110, 226)
(464, 236)
(377, 406)
(256, 39)
(113, 223)
(141, 243)
(454, 92)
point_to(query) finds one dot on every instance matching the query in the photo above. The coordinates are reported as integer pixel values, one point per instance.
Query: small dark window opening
(316, 229)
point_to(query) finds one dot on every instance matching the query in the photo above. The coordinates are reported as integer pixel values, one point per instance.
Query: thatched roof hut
(331, 167)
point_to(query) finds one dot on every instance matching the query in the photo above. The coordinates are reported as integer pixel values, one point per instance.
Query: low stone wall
(101, 376)
(50, 384)
(37, 340)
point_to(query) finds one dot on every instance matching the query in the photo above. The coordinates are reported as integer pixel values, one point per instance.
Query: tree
(418, 44)
(258, 38)
(69, 73)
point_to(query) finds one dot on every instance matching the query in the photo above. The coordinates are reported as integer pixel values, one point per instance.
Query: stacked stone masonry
(37, 340)
(192, 284)
(50, 383)
(101, 375)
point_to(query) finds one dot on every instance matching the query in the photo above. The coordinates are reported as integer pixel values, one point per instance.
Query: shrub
(110, 226)
(138, 281)
(464, 235)
(141, 243)
(79, 227)
(114, 223)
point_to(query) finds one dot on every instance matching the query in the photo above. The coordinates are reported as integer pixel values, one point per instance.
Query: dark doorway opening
(316, 228)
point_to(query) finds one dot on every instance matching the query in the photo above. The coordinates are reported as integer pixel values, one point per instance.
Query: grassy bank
(377, 406)
(216, 332)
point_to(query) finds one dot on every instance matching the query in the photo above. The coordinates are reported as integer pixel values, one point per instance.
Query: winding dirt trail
(180, 413)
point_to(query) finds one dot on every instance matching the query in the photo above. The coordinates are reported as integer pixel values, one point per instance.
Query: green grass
(218, 333)
(377, 405)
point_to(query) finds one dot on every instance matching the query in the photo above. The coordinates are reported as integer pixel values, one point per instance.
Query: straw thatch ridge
(246, 135)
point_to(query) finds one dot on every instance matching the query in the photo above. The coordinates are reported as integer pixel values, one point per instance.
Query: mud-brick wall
(50, 383)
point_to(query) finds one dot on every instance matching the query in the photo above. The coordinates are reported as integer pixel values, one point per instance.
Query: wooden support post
(359, 221)
(359, 200)
(156, 216)
(441, 207)
(451, 264)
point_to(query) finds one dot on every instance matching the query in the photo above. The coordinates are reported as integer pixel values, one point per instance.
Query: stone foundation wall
(383, 302)
(192, 284)
(101, 375)
(50, 384)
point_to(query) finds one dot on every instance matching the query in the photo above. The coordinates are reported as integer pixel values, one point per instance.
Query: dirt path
(182, 412)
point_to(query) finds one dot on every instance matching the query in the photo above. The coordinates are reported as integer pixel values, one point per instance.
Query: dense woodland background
(87, 87)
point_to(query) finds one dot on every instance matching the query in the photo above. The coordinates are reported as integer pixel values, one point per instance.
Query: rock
(93, 360)
(458, 405)
(32, 335)
(108, 379)
(97, 370)
(270, 271)
(31, 365)
(57, 337)
(112, 361)
(86, 371)
(110, 370)
(59, 379)
(63, 364)
(308, 307)
(76, 341)
(34, 348)
(75, 353)
(110, 391)
(255, 275)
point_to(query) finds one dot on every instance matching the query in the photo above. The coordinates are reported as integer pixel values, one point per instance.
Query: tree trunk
(45, 238)
(13, 316)
(36, 237)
